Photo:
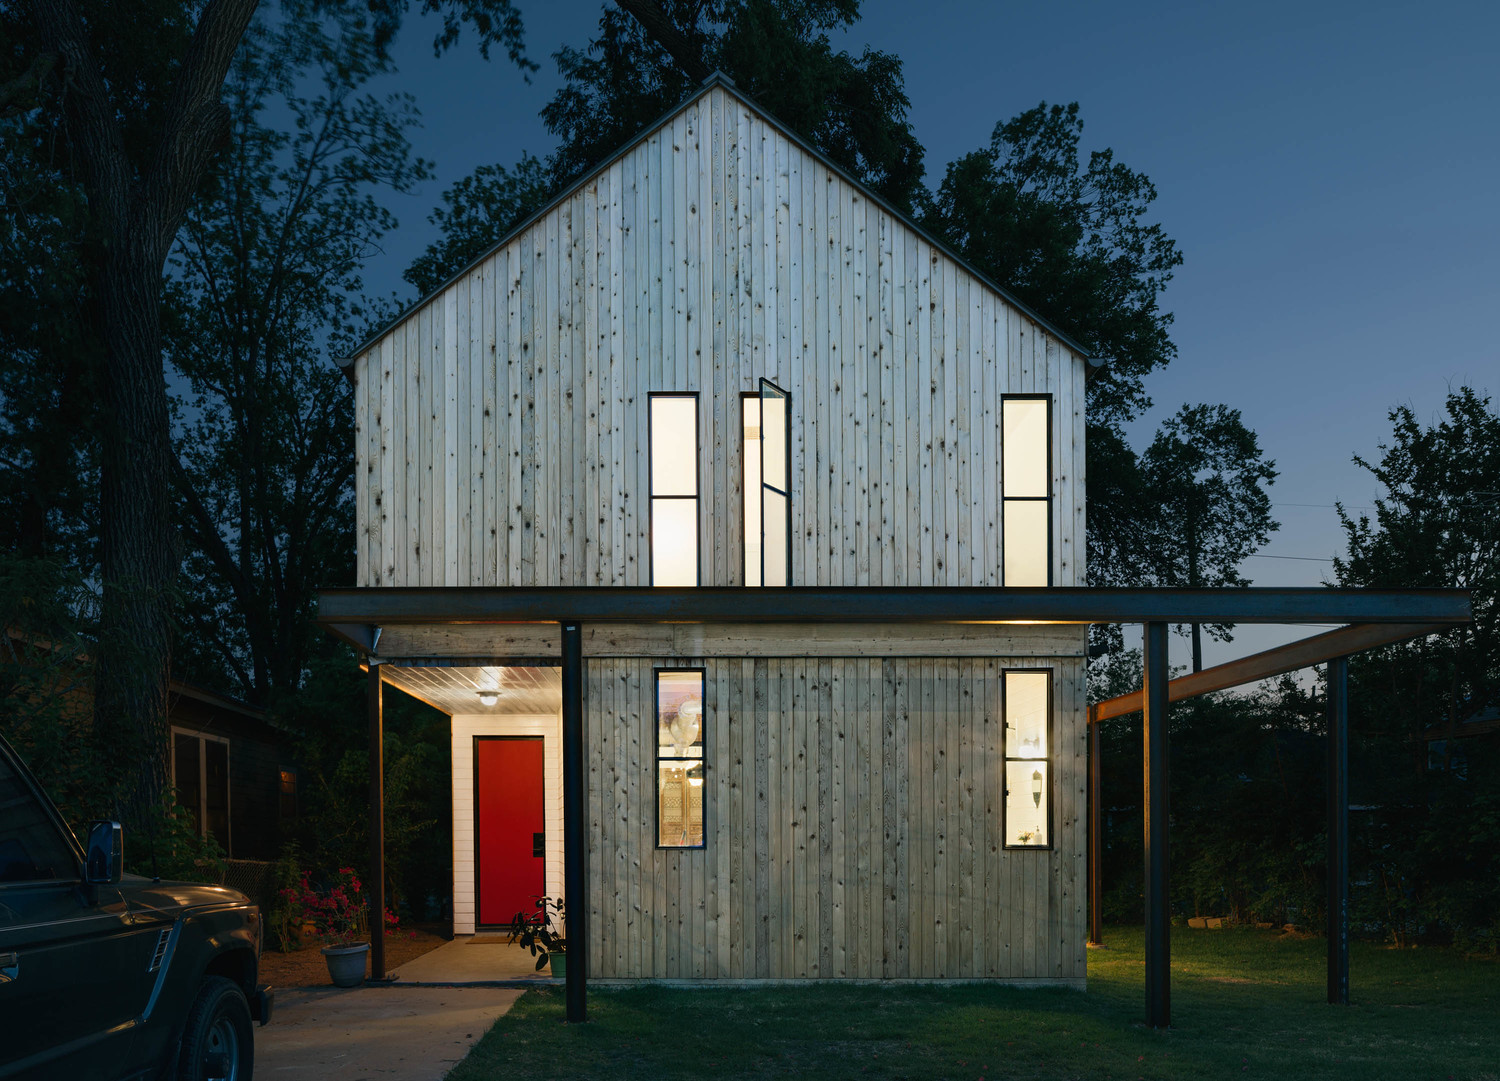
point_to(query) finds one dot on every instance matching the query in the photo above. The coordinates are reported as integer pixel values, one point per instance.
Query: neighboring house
(232, 771)
(717, 360)
(230, 767)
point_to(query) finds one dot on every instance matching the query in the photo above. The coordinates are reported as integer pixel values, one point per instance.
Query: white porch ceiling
(456, 690)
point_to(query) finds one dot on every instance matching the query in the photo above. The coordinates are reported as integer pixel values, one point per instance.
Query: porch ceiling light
(489, 697)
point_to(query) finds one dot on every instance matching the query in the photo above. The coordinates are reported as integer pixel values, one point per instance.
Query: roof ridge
(717, 80)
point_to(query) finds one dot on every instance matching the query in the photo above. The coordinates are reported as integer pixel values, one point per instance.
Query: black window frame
(652, 497)
(1006, 499)
(657, 758)
(1050, 787)
(758, 396)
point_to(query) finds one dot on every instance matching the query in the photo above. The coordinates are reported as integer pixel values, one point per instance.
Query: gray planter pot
(346, 964)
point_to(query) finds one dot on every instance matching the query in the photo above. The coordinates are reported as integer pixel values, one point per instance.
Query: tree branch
(660, 29)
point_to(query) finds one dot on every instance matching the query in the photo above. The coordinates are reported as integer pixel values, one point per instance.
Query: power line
(1308, 559)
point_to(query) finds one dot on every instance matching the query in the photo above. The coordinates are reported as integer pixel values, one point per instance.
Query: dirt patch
(306, 967)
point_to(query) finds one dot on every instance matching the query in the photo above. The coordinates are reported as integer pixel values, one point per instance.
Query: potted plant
(541, 932)
(338, 916)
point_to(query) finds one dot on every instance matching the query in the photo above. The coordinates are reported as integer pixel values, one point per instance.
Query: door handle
(10, 967)
(538, 846)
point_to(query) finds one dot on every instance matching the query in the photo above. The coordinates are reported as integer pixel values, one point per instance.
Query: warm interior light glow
(674, 445)
(1027, 706)
(674, 542)
(679, 753)
(1024, 455)
(1026, 554)
(751, 494)
(674, 490)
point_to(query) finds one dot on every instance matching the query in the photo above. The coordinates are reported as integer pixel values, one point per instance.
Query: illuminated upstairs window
(674, 489)
(1026, 480)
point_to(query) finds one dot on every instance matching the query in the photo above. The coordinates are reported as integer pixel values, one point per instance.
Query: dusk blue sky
(1331, 173)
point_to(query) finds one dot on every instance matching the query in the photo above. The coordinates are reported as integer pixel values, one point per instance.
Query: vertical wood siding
(852, 827)
(501, 427)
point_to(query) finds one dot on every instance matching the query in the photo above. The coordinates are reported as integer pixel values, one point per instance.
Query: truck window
(31, 848)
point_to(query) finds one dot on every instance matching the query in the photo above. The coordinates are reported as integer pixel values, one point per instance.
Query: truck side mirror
(106, 853)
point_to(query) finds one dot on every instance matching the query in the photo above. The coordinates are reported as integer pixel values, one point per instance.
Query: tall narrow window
(1026, 479)
(200, 775)
(768, 486)
(679, 758)
(1028, 775)
(674, 489)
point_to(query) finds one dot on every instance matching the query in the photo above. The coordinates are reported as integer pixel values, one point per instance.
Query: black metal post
(376, 880)
(1158, 923)
(1096, 840)
(574, 826)
(1338, 831)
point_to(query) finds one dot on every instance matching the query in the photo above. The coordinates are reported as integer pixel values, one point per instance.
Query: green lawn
(1245, 1004)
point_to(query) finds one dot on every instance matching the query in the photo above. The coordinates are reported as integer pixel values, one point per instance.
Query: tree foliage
(1070, 238)
(123, 103)
(1431, 842)
(264, 283)
(1207, 507)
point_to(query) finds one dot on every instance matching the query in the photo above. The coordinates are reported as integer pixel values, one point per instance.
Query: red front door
(508, 822)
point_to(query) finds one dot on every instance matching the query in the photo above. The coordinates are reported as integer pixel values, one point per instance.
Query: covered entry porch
(382, 621)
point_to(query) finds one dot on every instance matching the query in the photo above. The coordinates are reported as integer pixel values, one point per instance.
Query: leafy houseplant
(541, 932)
(339, 917)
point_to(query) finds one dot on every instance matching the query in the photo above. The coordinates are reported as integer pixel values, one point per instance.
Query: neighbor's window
(1028, 775)
(1026, 480)
(679, 758)
(768, 486)
(200, 774)
(287, 804)
(674, 489)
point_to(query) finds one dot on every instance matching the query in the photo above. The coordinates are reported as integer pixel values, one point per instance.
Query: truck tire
(218, 1042)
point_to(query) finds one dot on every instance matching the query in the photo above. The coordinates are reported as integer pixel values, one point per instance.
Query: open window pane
(679, 758)
(216, 791)
(773, 408)
(1026, 557)
(775, 470)
(674, 445)
(751, 494)
(1024, 455)
(1026, 789)
(1026, 714)
(674, 542)
(776, 570)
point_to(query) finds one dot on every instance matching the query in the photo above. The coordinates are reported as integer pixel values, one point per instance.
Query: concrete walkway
(385, 1033)
(472, 961)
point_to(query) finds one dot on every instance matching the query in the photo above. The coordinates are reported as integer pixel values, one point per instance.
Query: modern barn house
(690, 502)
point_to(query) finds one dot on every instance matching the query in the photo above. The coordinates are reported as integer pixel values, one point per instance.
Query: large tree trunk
(138, 195)
(138, 545)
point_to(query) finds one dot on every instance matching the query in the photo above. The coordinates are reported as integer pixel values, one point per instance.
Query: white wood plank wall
(852, 825)
(501, 427)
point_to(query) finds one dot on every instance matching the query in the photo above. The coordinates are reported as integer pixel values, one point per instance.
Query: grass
(1245, 1004)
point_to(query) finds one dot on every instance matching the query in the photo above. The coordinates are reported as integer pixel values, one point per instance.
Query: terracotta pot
(346, 964)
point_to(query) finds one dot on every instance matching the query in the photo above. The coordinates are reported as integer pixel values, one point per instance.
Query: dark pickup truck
(107, 976)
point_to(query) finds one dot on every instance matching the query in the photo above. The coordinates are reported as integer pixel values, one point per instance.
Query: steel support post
(1096, 842)
(376, 879)
(574, 824)
(1338, 831)
(1158, 921)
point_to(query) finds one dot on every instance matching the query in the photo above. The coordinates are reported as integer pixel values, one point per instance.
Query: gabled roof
(723, 82)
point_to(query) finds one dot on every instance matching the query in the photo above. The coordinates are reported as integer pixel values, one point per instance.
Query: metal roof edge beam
(812, 604)
(1272, 662)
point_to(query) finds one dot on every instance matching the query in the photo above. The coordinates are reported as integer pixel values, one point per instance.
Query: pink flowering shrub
(338, 914)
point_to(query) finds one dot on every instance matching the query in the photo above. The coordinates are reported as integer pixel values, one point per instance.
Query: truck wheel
(218, 1043)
